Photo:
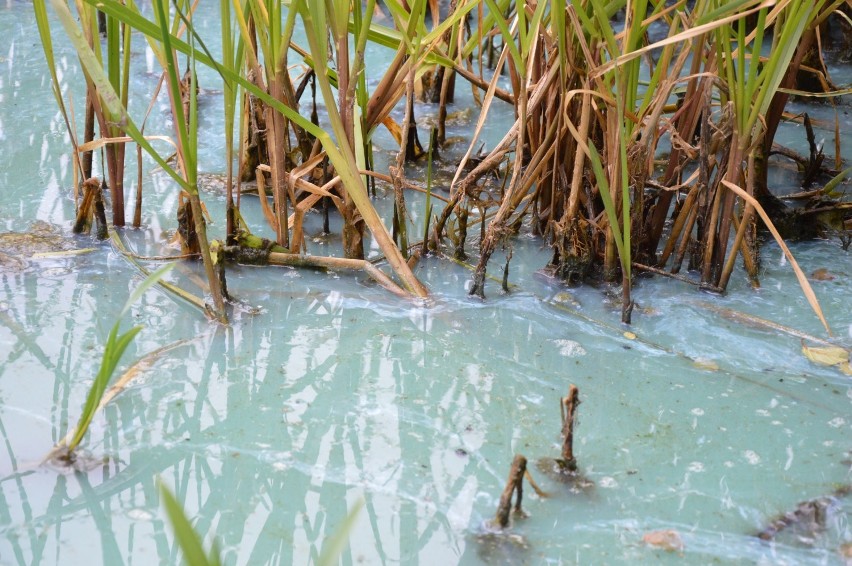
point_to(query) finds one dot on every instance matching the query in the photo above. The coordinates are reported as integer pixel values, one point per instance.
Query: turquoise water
(271, 429)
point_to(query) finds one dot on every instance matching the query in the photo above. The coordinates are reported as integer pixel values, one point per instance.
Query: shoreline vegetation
(641, 138)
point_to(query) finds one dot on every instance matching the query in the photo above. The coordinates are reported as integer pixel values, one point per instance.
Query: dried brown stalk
(513, 484)
(568, 408)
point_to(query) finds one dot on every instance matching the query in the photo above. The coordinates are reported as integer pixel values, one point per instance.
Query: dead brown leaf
(822, 274)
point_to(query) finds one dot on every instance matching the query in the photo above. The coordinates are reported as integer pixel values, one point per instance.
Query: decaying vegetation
(514, 488)
(809, 516)
(641, 137)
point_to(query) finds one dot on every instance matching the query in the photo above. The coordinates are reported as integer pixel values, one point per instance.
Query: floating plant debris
(668, 540)
(808, 518)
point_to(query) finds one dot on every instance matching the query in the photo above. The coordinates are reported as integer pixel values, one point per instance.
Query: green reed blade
(185, 535)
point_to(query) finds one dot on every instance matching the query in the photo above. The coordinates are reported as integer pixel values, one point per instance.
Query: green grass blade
(146, 284)
(794, 25)
(114, 53)
(727, 8)
(451, 21)
(188, 540)
(428, 204)
(604, 27)
(557, 19)
(624, 251)
(830, 187)
(609, 205)
(113, 351)
(503, 26)
(740, 86)
(47, 45)
(185, 144)
(109, 98)
(756, 49)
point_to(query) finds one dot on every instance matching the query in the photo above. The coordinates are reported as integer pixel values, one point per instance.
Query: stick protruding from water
(568, 408)
(513, 484)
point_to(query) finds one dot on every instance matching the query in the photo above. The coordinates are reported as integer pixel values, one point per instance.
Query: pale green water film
(270, 430)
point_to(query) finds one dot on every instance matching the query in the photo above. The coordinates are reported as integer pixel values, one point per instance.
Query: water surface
(271, 429)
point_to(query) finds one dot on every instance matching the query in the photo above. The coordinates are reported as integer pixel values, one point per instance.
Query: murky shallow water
(270, 430)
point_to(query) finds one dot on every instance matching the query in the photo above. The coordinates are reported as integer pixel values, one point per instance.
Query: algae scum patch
(40, 241)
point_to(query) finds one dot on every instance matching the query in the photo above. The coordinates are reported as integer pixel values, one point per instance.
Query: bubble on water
(837, 422)
(773, 403)
(728, 464)
(140, 514)
(608, 481)
(697, 411)
(762, 412)
(777, 423)
(751, 457)
(695, 467)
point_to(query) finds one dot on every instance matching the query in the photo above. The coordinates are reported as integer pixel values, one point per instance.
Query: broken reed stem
(406, 184)
(88, 134)
(568, 408)
(295, 260)
(406, 153)
(137, 209)
(218, 311)
(664, 273)
(505, 283)
(740, 228)
(100, 216)
(678, 228)
(513, 484)
(83, 222)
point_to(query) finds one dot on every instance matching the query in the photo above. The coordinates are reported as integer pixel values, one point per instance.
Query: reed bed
(641, 135)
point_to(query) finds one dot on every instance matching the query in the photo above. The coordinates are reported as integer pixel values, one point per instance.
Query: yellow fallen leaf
(669, 540)
(846, 368)
(630, 336)
(705, 363)
(827, 356)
